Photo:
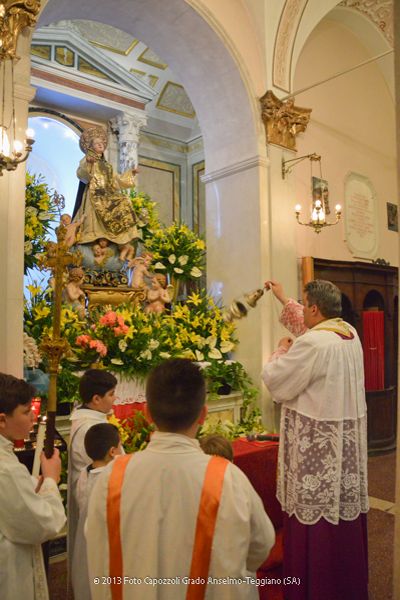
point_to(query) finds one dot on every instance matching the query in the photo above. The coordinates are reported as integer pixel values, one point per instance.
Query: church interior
(264, 134)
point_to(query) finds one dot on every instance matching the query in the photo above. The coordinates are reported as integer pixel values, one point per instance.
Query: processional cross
(57, 258)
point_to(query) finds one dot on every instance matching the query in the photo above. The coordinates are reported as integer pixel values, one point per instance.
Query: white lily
(195, 272)
(182, 260)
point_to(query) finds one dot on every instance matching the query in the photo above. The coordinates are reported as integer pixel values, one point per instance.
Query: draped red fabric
(124, 411)
(374, 349)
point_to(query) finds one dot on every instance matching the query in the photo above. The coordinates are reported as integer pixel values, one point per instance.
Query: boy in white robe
(97, 391)
(28, 516)
(102, 445)
(158, 522)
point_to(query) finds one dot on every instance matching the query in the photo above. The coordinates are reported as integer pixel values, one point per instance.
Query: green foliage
(146, 213)
(134, 431)
(177, 252)
(42, 205)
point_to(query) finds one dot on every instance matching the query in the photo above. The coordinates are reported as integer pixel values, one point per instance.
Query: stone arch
(179, 34)
(299, 19)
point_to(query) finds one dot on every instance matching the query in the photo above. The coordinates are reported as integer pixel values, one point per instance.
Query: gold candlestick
(57, 258)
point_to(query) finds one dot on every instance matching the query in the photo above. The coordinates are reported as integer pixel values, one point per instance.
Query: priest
(322, 472)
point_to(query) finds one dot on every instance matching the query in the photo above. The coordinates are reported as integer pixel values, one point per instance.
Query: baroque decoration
(283, 120)
(114, 304)
(15, 15)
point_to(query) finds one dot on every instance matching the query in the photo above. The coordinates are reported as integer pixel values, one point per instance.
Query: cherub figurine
(159, 295)
(73, 293)
(72, 229)
(127, 252)
(99, 253)
(141, 265)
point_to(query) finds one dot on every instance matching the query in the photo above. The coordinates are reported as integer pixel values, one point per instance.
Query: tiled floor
(381, 475)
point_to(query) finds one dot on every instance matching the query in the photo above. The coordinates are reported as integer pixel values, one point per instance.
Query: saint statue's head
(92, 138)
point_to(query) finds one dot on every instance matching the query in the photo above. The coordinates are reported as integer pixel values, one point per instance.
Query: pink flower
(83, 340)
(122, 330)
(109, 318)
(121, 321)
(99, 347)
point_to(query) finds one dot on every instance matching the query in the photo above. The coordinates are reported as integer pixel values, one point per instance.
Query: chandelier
(319, 190)
(15, 15)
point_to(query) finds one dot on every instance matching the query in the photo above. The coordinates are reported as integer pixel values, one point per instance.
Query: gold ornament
(15, 15)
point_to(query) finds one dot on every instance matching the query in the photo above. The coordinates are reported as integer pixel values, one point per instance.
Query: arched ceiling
(196, 55)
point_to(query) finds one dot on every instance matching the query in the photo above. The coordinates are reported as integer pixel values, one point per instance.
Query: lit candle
(297, 208)
(39, 447)
(35, 406)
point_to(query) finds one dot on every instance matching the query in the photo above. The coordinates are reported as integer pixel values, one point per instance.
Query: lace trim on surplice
(322, 468)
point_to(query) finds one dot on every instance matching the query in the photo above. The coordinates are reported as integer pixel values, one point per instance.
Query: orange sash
(205, 527)
(114, 525)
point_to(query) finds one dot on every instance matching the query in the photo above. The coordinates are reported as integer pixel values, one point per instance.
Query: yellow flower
(199, 244)
(34, 290)
(41, 312)
(194, 299)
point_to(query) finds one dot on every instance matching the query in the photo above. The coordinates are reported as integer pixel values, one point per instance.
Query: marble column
(12, 219)
(128, 125)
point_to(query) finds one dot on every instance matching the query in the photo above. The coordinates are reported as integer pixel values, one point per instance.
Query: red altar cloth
(123, 411)
(258, 460)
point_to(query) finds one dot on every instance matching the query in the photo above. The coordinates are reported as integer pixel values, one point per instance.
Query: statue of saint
(101, 207)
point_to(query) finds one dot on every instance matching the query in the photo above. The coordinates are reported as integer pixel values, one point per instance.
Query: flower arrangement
(146, 213)
(134, 431)
(177, 252)
(197, 330)
(41, 207)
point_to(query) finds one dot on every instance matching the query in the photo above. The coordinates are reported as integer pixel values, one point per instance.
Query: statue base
(101, 296)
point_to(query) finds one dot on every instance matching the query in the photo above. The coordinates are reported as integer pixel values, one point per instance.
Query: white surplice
(159, 507)
(82, 419)
(27, 519)
(79, 568)
(322, 468)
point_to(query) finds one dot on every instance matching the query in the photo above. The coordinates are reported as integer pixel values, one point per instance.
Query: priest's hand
(51, 467)
(285, 343)
(277, 289)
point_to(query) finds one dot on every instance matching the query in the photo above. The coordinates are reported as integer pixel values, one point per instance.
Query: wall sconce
(15, 16)
(320, 206)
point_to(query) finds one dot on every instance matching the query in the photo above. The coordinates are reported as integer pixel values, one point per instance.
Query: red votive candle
(35, 406)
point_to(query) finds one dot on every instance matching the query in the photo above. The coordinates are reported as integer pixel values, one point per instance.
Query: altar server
(31, 512)
(171, 521)
(322, 471)
(97, 391)
(102, 445)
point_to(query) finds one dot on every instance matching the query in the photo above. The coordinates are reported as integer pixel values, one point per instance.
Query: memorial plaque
(361, 219)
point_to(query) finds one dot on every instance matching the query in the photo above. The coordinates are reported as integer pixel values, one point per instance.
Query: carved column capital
(283, 120)
(127, 125)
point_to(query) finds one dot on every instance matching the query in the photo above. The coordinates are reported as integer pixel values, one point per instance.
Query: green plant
(134, 431)
(42, 205)
(177, 251)
(146, 213)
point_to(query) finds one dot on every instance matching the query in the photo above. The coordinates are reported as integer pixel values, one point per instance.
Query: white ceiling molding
(120, 80)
